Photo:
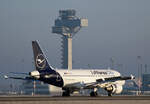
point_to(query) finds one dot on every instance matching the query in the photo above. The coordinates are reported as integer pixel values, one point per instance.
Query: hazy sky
(117, 28)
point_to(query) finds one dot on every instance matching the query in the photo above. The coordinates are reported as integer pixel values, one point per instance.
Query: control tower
(67, 25)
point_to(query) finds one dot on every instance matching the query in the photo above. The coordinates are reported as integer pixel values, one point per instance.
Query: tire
(66, 93)
(110, 94)
(93, 94)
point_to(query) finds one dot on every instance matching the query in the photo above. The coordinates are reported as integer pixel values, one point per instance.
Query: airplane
(75, 79)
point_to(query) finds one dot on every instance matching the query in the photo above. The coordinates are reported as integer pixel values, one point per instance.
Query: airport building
(130, 88)
(146, 83)
(35, 87)
(39, 88)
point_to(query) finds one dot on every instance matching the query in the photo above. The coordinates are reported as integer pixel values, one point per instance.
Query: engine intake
(115, 88)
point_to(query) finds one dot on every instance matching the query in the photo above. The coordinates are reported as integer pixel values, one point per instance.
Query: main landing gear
(66, 93)
(109, 90)
(109, 93)
(94, 93)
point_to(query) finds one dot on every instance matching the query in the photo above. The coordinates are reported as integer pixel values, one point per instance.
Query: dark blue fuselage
(53, 78)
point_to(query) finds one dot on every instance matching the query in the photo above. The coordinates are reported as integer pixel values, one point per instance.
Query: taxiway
(74, 100)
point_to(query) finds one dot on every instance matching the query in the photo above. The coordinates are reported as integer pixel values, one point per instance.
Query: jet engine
(35, 74)
(115, 88)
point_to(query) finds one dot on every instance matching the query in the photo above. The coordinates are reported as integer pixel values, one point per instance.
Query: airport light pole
(112, 62)
(145, 68)
(139, 74)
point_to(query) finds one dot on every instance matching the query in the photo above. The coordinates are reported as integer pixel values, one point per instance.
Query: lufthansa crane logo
(40, 61)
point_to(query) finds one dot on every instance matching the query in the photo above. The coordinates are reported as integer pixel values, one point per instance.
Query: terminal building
(146, 83)
(35, 87)
(39, 88)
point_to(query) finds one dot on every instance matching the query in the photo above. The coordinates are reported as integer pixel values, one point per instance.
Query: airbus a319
(75, 79)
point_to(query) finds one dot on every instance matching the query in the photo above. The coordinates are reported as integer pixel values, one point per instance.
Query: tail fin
(44, 68)
(40, 60)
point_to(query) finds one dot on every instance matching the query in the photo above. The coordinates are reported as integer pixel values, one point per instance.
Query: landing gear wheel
(93, 94)
(109, 93)
(66, 93)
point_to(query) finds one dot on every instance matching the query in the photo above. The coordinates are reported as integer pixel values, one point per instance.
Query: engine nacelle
(115, 88)
(35, 74)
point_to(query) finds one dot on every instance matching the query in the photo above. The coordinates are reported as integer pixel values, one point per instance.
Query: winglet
(132, 77)
(103, 79)
(6, 77)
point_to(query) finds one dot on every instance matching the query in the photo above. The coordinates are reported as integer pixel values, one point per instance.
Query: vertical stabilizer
(40, 60)
(47, 74)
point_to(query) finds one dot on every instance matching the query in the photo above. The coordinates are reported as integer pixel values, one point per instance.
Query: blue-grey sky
(117, 28)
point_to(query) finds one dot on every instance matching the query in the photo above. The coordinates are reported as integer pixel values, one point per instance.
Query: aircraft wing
(113, 79)
(108, 80)
(16, 75)
(20, 78)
